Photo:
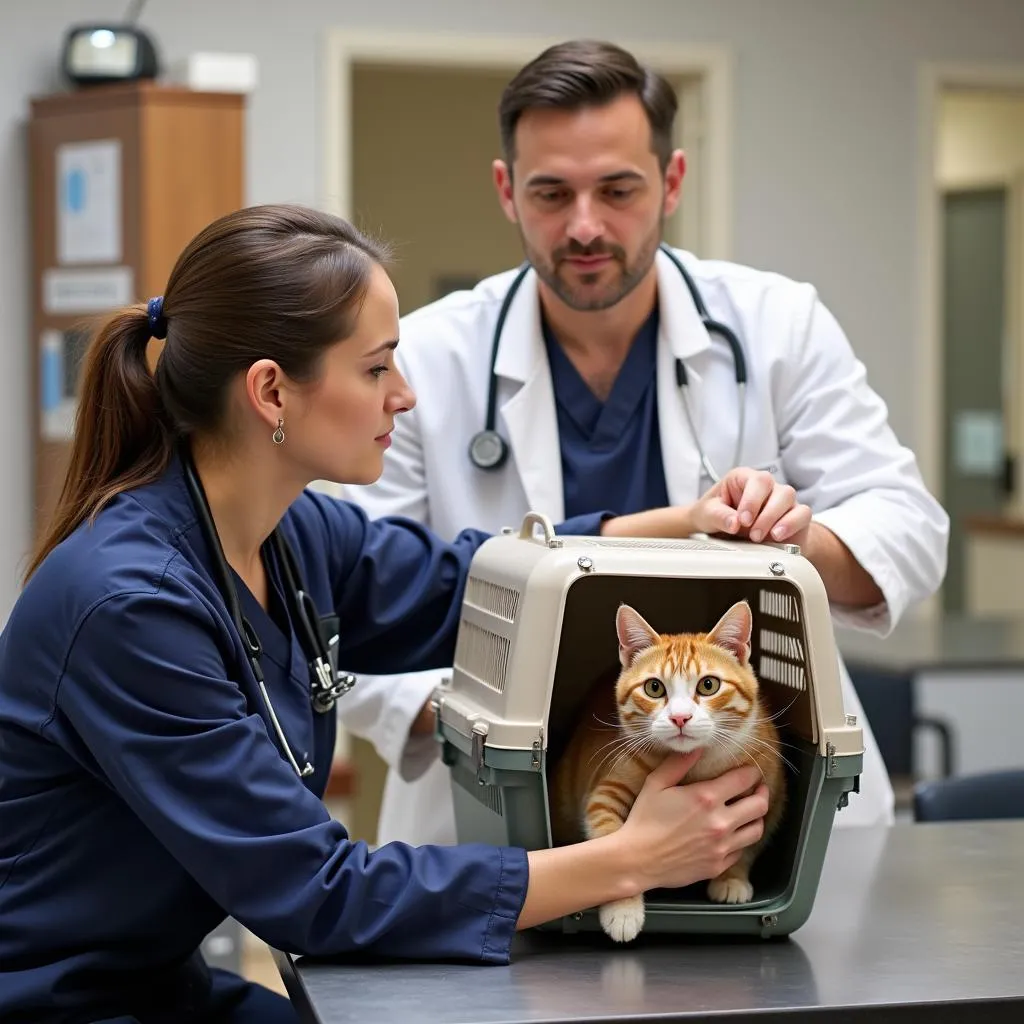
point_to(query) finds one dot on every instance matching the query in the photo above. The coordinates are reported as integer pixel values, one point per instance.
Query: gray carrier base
(537, 631)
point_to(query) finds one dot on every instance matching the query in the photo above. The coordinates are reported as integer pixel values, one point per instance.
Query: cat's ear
(635, 635)
(732, 632)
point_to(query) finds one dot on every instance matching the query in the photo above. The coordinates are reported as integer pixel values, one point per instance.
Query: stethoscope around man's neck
(326, 686)
(488, 450)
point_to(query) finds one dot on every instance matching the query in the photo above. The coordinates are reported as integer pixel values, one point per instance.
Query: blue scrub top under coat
(611, 450)
(143, 796)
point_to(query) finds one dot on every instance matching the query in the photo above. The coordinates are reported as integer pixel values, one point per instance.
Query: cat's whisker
(757, 743)
(638, 745)
(779, 714)
(769, 746)
(723, 738)
(618, 744)
(622, 746)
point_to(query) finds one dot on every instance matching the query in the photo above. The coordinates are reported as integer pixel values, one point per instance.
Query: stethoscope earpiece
(489, 450)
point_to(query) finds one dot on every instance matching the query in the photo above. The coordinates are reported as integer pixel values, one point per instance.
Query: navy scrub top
(611, 450)
(143, 796)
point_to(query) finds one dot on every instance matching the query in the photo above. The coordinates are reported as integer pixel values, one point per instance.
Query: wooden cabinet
(122, 177)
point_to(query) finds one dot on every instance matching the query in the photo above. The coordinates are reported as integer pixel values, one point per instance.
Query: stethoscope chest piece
(488, 449)
(329, 687)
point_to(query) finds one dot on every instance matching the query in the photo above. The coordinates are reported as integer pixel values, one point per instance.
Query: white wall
(825, 143)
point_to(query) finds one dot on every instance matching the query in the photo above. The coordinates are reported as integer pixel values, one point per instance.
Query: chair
(889, 703)
(977, 797)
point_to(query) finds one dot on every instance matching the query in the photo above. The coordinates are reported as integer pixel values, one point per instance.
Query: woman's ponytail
(284, 283)
(123, 437)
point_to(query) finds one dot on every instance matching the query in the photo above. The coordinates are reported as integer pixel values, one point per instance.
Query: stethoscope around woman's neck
(325, 686)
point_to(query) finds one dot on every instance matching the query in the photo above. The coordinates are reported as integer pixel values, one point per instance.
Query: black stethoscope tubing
(325, 687)
(488, 450)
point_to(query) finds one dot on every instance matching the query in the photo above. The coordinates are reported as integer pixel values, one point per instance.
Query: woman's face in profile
(345, 422)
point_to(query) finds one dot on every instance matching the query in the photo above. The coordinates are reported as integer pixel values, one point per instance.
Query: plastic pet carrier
(537, 632)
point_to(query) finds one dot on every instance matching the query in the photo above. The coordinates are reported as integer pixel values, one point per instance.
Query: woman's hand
(674, 836)
(688, 833)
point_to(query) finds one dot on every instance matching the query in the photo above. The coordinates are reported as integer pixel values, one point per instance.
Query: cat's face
(690, 690)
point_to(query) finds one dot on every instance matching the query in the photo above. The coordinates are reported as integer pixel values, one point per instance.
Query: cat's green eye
(709, 686)
(654, 688)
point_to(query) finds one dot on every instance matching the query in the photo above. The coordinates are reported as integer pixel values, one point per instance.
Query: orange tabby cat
(674, 693)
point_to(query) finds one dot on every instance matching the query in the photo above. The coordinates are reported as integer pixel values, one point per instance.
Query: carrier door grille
(482, 655)
(779, 605)
(783, 659)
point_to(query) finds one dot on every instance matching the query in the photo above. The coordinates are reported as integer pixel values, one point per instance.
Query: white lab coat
(811, 418)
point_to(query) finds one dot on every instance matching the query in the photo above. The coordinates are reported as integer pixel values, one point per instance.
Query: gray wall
(825, 124)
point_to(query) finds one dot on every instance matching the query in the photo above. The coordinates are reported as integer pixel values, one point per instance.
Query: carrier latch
(478, 738)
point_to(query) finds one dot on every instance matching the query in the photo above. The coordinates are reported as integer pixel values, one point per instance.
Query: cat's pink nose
(679, 720)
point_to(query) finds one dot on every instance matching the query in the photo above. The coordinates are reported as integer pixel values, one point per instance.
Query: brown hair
(274, 282)
(586, 73)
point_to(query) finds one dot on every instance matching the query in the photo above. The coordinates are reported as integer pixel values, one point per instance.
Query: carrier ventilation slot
(673, 545)
(779, 606)
(490, 796)
(482, 655)
(493, 598)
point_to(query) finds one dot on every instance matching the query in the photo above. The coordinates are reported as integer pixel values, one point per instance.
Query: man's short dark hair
(587, 73)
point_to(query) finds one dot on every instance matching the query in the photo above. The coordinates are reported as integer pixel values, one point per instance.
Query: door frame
(709, 205)
(933, 79)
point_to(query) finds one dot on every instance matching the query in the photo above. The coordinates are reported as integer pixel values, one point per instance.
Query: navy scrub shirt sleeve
(146, 691)
(397, 587)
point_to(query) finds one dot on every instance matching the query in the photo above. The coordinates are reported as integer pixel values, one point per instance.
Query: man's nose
(585, 225)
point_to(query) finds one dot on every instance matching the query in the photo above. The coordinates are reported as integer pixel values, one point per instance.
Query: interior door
(976, 470)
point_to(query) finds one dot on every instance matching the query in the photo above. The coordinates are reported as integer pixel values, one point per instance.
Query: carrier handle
(532, 519)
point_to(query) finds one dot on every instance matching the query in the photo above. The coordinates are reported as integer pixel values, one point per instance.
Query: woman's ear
(266, 387)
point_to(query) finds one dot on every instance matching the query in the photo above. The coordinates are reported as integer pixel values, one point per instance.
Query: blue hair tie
(157, 320)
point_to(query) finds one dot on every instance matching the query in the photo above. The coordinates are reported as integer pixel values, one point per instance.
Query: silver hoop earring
(278, 435)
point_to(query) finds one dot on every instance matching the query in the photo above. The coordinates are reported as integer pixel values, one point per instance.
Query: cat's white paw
(623, 919)
(730, 890)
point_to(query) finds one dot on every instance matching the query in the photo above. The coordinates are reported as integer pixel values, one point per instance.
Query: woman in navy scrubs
(158, 772)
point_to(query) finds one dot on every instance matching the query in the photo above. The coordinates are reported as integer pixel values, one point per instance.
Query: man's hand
(748, 503)
(423, 723)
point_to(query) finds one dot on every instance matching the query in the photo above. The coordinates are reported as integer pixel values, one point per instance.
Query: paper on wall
(58, 402)
(71, 292)
(89, 202)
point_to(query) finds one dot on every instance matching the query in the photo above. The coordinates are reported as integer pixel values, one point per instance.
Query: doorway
(978, 164)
